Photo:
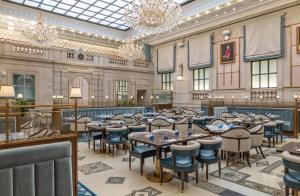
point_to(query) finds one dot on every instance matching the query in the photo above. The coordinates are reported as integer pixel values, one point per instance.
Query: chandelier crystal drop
(40, 33)
(153, 16)
(131, 51)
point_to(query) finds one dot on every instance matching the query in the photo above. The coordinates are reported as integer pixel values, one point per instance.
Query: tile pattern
(127, 159)
(81, 157)
(84, 191)
(115, 180)
(271, 169)
(262, 163)
(148, 191)
(92, 168)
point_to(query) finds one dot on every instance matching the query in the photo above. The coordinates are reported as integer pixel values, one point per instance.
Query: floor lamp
(75, 94)
(7, 93)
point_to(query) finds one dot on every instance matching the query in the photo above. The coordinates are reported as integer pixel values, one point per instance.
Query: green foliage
(21, 102)
(126, 103)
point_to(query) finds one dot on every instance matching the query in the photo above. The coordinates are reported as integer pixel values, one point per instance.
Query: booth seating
(36, 170)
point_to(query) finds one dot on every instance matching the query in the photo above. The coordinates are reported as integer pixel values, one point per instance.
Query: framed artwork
(298, 40)
(227, 53)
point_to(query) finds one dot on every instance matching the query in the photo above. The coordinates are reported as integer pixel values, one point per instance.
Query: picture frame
(298, 40)
(227, 52)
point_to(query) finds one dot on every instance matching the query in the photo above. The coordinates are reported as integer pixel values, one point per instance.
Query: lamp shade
(75, 93)
(20, 96)
(7, 92)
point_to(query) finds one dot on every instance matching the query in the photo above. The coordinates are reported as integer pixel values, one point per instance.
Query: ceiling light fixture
(40, 33)
(131, 51)
(152, 16)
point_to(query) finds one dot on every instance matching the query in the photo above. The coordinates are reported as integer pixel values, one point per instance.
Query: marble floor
(107, 175)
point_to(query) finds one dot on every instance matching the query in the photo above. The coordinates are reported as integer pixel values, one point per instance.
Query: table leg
(155, 176)
(89, 137)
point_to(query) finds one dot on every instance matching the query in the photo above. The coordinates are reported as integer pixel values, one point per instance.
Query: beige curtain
(165, 58)
(263, 38)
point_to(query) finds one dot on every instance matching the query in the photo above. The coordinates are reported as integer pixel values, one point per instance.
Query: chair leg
(129, 162)
(262, 154)
(281, 136)
(256, 149)
(227, 159)
(287, 191)
(269, 139)
(94, 145)
(142, 166)
(161, 175)
(197, 176)
(182, 181)
(247, 158)
(273, 142)
(113, 150)
(125, 148)
(219, 168)
(206, 171)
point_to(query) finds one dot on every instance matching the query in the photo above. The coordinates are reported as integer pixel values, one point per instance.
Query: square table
(159, 142)
(291, 147)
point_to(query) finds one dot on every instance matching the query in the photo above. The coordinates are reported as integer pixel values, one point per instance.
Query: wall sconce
(119, 97)
(157, 97)
(180, 76)
(92, 97)
(106, 97)
(131, 97)
(226, 34)
(142, 97)
(20, 96)
(151, 97)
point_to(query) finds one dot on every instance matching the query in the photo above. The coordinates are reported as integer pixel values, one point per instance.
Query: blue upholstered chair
(279, 129)
(163, 133)
(200, 122)
(218, 122)
(140, 151)
(210, 152)
(291, 176)
(270, 133)
(183, 161)
(116, 136)
(137, 128)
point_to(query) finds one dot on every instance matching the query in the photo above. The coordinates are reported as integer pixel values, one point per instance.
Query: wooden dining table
(291, 147)
(159, 142)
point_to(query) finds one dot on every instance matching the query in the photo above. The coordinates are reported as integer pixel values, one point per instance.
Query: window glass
(264, 81)
(273, 80)
(25, 85)
(264, 67)
(255, 81)
(207, 84)
(273, 66)
(201, 79)
(255, 67)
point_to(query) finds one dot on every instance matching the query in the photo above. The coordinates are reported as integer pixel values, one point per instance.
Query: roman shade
(264, 38)
(166, 59)
(200, 51)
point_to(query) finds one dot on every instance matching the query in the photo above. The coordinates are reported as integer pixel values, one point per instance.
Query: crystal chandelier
(131, 51)
(153, 16)
(40, 33)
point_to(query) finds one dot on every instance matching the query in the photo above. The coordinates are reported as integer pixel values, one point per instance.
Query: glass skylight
(105, 12)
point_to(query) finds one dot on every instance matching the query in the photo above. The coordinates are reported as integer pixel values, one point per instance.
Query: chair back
(236, 140)
(119, 131)
(163, 131)
(262, 118)
(167, 114)
(244, 116)
(138, 115)
(161, 123)
(200, 129)
(291, 161)
(189, 150)
(134, 134)
(212, 143)
(137, 128)
(227, 115)
(182, 125)
(117, 117)
(218, 122)
(257, 134)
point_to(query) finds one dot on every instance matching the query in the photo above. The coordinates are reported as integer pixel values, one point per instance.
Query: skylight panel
(89, 1)
(123, 27)
(77, 10)
(50, 2)
(101, 4)
(114, 25)
(46, 7)
(60, 11)
(82, 5)
(116, 15)
(100, 16)
(104, 22)
(31, 3)
(113, 8)
(106, 12)
(64, 6)
(109, 1)
(70, 2)
(94, 20)
(95, 9)
(88, 13)
(72, 14)
(17, 1)
(83, 17)
(121, 3)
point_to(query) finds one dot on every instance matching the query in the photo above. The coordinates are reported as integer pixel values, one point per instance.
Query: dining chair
(226, 115)
(137, 128)
(140, 151)
(291, 176)
(279, 130)
(116, 136)
(182, 125)
(209, 153)
(164, 133)
(183, 161)
(199, 128)
(245, 116)
(270, 132)
(159, 123)
(236, 140)
(167, 114)
(116, 117)
(257, 136)
(218, 122)
(262, 118)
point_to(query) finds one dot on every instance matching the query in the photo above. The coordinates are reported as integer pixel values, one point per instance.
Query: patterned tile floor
(108, 175)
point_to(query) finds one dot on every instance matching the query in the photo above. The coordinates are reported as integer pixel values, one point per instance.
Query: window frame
(204, 79)
(16, 86)
(167, 83)
(121, 87)
(260, 74)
